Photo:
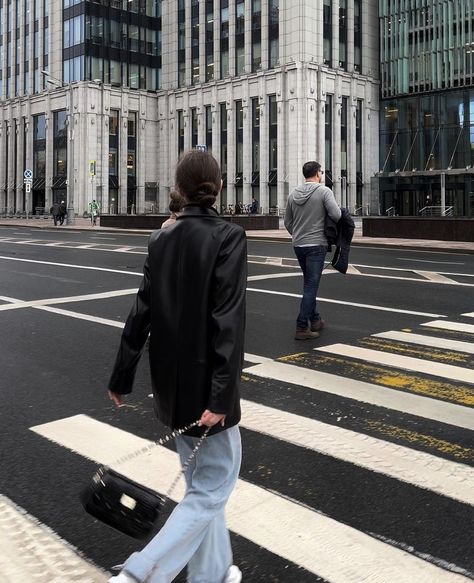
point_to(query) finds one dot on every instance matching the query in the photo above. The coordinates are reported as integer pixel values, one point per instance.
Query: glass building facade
(427, 110)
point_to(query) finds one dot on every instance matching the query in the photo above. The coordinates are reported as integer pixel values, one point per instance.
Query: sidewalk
(267, 235)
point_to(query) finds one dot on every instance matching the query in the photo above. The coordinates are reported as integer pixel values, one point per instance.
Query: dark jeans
(311, 260)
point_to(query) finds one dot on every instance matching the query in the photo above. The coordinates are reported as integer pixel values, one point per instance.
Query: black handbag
(125, 505)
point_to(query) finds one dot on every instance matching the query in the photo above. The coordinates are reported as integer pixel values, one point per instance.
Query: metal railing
(390, 212)
(436, 211)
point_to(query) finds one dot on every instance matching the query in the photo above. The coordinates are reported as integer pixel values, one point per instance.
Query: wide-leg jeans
(195, 534)
(311, 260)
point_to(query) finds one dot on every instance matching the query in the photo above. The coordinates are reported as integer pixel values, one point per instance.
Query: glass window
(113, 123)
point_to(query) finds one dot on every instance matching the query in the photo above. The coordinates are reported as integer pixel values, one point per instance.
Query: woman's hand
(210, 419)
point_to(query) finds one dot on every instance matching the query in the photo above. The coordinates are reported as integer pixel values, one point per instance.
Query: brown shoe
(317, 325)
(305, 334)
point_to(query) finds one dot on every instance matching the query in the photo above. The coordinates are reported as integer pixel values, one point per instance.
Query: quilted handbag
(125, 505)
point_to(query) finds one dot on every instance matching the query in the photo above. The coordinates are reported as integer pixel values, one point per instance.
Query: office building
(100, 98)
(427, 107)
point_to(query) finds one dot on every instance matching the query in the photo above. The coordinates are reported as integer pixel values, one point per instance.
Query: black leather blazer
(192, 302)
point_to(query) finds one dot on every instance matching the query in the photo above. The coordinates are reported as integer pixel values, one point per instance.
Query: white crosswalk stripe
(282, 526)
(454, 326)
(431, 341)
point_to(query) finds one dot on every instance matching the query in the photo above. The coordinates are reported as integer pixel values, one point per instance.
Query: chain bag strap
(126, 505)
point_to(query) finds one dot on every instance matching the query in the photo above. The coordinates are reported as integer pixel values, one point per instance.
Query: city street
(358, 446)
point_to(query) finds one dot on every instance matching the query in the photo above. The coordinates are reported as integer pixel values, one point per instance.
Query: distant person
(62, 212)
(94, 210)
(254, 206)
(305, 214)
(239, 208)
(176, 206)
(54, 210)
(192, 301)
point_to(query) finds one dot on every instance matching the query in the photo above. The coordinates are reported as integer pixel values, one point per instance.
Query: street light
(71, 213)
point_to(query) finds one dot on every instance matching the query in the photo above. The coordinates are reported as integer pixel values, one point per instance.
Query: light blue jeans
(195, 534)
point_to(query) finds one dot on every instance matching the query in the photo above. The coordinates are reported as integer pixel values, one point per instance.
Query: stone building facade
(100, 98)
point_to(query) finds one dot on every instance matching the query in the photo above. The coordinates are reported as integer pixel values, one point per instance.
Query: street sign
(201, 147)
(92, 167)
(27, 187)
(28, 174)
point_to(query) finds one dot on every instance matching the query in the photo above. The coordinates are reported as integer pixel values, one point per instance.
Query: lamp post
(71, 213)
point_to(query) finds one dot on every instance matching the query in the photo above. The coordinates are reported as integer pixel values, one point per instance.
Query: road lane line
(430, 261)
(79, 316)
(436, 277)
(402, 463)
(432, 341)
(272, 276)
(454, 326)
(274, 522)
(341, 302)
(448, 371)
(425, 407)
(469, 315)
(71, 265)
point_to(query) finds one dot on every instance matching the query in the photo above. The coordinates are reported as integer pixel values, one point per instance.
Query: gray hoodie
(305, 213)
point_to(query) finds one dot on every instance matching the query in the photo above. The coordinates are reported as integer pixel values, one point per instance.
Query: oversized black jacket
(340, 234)
(192, 302)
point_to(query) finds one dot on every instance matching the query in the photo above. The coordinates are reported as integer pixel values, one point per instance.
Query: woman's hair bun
(198, 177)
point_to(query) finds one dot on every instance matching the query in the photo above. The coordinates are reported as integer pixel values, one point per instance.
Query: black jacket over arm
(192, 301)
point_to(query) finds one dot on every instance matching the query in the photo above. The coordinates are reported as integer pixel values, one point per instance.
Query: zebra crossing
(335, 445)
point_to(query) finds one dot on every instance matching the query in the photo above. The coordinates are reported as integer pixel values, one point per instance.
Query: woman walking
(192, 302)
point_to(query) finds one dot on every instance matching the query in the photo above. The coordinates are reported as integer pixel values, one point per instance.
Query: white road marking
(68, 300)
(409, 403)
(436, 277)
(454, 326)
(430, 261)
(272, 276)
(469, 315)
(402, 463)
(354, 304)
(105, 238)
(276, 523)
(405, 269)
(448, 371)
(87, 267)
(33, 552)
(428, 341)
(79, 316)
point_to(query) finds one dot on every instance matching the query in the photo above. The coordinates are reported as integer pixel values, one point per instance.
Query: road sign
(92, 167)
(28, 174)
(27, 187)
(201, 147)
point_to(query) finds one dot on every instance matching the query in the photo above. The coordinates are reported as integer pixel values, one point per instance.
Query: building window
(181, 44)
(344, 133)
(327, 32)
(60, 142)
(343, 34)
(357, 36)
(223, 120)
(239, 37)
(194, 128)
(180, 132)
(359, 181)
(239, 133)
(195, 41)
(209, 127)
(328, 141)
(255, 147)
(209, 40)
(273, 150)
(273, 32)
(224, 44)
(256, 35)
(39, 146)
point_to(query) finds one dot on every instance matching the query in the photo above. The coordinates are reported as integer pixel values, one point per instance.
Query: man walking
(94, 210)
(305, 212)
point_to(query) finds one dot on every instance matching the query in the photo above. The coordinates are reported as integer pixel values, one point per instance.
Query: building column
(104, 162)
(231, 139)
(248, 36)
(29, 157)
(247, 149)
(141, 156)
(123, 151)
(264, 154)
(188, 57)
(217, 39)
(202, 42)
(48, 181)
(11, 164)
(20, 141)
(351, 152)
(3, 149)
(232, 67)
(336, 171)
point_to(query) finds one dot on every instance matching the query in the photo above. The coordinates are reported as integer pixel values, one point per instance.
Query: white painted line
(416, 280)
(272, 276)
(79, 316)
(355, 304)
(255, 359)
(428, 341)
(409, 403)
(124, 249)
(64, 245)
(50, 244)
(316, 542)
(448, 371)
(406, 269)
(402, 463)
(469, 315)
(436, 277)
(105, 238)
(430, 261)
(68, 300)
(454, 326)
(89, 246)
(33, 552)
(88, 267)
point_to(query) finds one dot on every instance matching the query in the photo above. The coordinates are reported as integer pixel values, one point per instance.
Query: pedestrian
(192, 301)
(175, 206)
(54, 210)
(94, 210)
(62, 212)
(305, 214)
(254, 206)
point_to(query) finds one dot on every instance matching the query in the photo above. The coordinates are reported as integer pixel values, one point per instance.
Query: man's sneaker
(317, 325)
(122, 578)
(305, 334)
(234, 575)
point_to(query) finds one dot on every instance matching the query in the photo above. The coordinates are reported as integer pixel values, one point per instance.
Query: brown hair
(310, 169)
(176, 202)
(198, 177)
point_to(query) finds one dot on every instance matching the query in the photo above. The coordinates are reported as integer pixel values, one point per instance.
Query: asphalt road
(365, 458)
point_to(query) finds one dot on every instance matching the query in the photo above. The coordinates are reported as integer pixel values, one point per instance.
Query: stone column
(247, 148)
(335, 34)
(20, 140)
(264, 150)
(231, 138)
(11, 163)
(232, 38)
(351, 151)
(49, 129)
(123, 151)
(336, 171)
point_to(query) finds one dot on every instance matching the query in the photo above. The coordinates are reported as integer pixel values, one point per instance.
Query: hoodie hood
(302, 193)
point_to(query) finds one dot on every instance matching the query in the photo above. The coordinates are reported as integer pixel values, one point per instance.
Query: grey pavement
(280, 234)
